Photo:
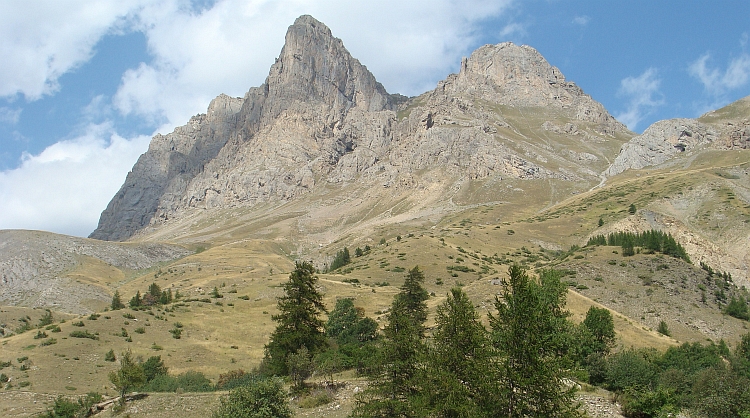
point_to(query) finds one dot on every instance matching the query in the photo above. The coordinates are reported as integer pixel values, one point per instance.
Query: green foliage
(298, 322)
(393, 377)
(215, 293)
(129, 376)
(154, 367)
(651, 241)
(116, 301)
(233, 379)
(458, 362)
(46, 319)
(737, 308)
(330, 362)
(341, 259)
(136, 301)
(66, 408)
(528, 333)
(601, 325)
(301, 366)
(663, 328)
(110, 356)
(342, 319)
(721, 392)
(631, 368)
(631, 209)
(84, 334)
(647, 403)
(263, 398)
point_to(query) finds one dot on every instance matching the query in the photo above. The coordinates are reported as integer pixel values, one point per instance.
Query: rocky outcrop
(165, 170)
(35, 267)
(519, 76)
(321, 118)
(667, 139)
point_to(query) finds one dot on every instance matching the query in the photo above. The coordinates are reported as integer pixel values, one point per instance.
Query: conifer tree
(136, 300)
(394, 386)
(299, 322)
(528, 334)
(116, 301)
(457, 365)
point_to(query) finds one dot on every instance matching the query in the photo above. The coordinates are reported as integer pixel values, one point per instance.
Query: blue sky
(83, 86)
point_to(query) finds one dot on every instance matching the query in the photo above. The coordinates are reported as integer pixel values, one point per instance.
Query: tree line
(651, 241)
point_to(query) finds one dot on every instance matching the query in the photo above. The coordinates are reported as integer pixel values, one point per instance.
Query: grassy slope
(251, 253)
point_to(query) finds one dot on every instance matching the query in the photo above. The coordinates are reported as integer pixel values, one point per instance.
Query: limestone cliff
(724, 129)
(322, 119)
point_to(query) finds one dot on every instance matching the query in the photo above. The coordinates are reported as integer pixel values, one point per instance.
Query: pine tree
(413, 297)
(299, 323)
(116, 301)
(457, 365)
(136, 300)
(394, 386)
(528, 333)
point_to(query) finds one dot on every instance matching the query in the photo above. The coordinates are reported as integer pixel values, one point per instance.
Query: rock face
(35, 267)
(666, 139)
(322, 119)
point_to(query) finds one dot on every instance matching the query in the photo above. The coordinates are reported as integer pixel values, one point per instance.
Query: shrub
(140, 330)
(233, 379)
(110, 356)
(48, 342)
(65, 408)
(663, 329)
(84, 334)
(78, 324)
(263, 398)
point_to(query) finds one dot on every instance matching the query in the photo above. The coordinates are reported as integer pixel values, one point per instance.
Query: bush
(191, 381)
(663, 329)
(154, 367)
(263, 398)
(84, 334)
(110, 356)
(65, 408)
(233, 379)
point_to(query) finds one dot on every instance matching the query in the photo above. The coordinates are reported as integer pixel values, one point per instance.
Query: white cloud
(65, 187)
(643, 97)
(512, 30)
(9, 116)
(716, 82)
(225, 47)
(230, 47)
(41, 42)
(581, 20)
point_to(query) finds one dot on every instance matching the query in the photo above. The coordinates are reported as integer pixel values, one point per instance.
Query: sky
(84, 85)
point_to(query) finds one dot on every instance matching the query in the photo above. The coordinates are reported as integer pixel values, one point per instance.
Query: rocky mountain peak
(321, 118)
(518, 75)
(314, 67)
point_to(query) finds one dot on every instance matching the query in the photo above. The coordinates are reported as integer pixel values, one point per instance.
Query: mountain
(505, 162)
(322, 119)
